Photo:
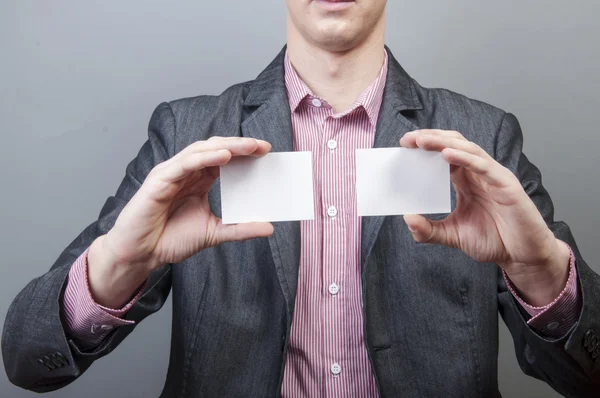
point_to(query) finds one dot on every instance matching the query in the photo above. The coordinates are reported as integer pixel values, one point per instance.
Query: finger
(186, 165)
(218, 137)
(437, 132)
(427, 231)
(408, 140)
(263, 147)
(238, 146)
(439, 143)
(181, 164)
(488, 169)
(235, 145)
(237, 232)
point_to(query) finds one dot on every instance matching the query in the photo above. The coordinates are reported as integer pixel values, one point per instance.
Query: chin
(337, 45)
(338, 39)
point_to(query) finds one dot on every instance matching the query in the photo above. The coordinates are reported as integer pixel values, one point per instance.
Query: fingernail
(411, 228)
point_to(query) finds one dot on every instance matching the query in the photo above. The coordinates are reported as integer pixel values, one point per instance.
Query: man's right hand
(168, 220)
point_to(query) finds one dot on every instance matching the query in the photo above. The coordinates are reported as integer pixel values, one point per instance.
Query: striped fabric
(89, 323)
(327, 356)
(557, 318)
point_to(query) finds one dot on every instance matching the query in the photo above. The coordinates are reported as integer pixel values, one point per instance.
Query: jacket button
(60, 358)
(41, 362)
(587, 338)
(48, 362)
(593, 344)
(529, 355)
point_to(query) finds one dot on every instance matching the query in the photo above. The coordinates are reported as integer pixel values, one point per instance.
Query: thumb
(236, 232)
(426, 231)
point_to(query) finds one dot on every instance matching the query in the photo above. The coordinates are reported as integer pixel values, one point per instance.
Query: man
(339, 306)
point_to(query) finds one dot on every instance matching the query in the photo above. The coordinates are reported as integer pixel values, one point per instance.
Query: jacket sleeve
(570, 364)
(38, 354)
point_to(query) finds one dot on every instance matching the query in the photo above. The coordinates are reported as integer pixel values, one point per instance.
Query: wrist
(541, 284)
(112, 283)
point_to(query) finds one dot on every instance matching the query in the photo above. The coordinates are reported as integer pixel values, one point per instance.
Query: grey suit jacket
(430, 312)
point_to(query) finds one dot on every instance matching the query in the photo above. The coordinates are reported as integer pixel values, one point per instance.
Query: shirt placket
(335, 219)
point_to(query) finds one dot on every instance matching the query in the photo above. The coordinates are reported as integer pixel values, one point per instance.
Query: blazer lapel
(399, 95)
(270, 120)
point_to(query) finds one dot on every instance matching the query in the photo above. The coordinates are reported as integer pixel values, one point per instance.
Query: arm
(160, 215)
(556, 318)
(568, 363)
(87, 322)
(34, 330)
(504, 215)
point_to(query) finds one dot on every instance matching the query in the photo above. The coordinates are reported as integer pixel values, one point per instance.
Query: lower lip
(334, 5)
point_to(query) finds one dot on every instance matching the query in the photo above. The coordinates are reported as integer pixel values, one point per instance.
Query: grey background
(79, 80)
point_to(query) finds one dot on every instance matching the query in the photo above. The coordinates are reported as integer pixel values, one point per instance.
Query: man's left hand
(494, 220)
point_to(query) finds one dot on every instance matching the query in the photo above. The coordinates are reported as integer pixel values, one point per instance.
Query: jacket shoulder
(444, 109)
(232, 95)
(200, 117)
(448, 101)
(209, 104)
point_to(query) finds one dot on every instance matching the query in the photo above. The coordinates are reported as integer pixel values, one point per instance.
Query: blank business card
(394, 181)
(275, 187)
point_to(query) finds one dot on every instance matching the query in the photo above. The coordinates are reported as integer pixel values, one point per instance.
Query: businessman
(338, 306)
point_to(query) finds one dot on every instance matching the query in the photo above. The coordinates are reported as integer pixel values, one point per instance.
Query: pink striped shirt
(327, 355)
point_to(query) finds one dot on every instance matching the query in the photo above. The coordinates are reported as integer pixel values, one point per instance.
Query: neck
(337, 77)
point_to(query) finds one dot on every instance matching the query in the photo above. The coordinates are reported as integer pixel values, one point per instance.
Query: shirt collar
(370, 99)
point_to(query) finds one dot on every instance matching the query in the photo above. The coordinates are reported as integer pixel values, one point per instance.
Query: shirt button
(336, 369)
(334, 289)
(332, 211)
(316, 102)
(332, 144)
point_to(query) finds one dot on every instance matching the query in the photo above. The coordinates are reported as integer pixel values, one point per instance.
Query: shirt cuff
(87, 322)
(557, 318)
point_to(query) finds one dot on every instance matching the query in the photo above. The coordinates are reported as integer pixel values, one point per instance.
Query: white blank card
(274, 187)
(392, 181)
